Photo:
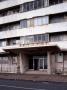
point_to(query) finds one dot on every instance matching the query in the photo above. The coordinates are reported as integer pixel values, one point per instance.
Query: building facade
(33, 36)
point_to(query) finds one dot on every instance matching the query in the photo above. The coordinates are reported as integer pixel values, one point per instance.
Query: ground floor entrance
(38, 62)
(46, 63)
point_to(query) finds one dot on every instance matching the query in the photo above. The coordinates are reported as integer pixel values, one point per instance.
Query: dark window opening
(2, 0)
(13, 41)
(58, 18)
(10, 11)
(23, 24)
(34, 5)
(10, 26)
(53, 2)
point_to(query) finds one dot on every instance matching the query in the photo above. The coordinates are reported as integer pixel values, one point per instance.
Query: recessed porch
(34, 60)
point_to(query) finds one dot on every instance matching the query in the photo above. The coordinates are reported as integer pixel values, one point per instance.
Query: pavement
(31, 85)
(34, 77)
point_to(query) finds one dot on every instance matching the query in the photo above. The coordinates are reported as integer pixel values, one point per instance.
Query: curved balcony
(11, 3)
(50, 28)
(59, 8)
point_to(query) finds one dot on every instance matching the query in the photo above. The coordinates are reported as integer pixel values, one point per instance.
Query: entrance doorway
(38, 62)
(35, 64)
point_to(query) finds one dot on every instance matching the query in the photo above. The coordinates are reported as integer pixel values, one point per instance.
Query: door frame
(39, 58)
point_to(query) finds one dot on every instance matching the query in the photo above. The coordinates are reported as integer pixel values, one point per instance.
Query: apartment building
(33, 36)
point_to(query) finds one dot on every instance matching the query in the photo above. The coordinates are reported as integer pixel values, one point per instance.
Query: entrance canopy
(32, 50)
(2, 51)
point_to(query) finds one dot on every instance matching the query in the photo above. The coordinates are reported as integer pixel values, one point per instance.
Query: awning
(62, 46)
(37, 49)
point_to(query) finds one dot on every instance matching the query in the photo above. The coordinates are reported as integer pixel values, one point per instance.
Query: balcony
(11, 3)
(50, 28)
(40, 12)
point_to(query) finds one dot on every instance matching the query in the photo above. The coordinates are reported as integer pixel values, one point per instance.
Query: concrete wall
(11, 3)
(58, 64)
(57, 27)
(7, 68)
(8, 65)
(59, 8)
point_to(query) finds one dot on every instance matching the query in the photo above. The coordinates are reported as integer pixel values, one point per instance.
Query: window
(23, 24)
(64, 0)
(25, 7)
(35, 38)
(31, 5)
(39, 4)
(58, 37)
(37, 21)
(36, 4)
(10, 26)
(41, 20)
(30, 22)
(39, 38)
(52, 2)
(10, 11)
(28, 39)
(45, 20)
(3, 43)
(2, 0)
(13, 41)
(45, 37)
(56, 18)
(0, 43)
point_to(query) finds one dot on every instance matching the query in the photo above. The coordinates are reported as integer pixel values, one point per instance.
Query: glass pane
(45, 63)
(3, 43)
(28, 39)
(31, 7)
(41, 63)
(39, 37)
(45, 37)
(45, 20)
(35, 38)
(35, 22)
(22, 40)
(38, 21)
(23, 23)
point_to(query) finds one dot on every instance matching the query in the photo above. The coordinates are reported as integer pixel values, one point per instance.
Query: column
(18, 63)
(48, 63)
(21, 63)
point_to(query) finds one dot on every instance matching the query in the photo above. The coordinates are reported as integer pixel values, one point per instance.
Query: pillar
(48, 63)
(23, 62)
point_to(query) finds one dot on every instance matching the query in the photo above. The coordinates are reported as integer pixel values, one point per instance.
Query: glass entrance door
(39, 62)
(35, 63)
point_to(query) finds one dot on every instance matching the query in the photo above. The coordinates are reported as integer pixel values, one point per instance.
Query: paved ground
(31, 85)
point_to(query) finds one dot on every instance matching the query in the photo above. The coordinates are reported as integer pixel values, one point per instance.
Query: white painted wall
(34, 13)
(56, 27)
(11, 3)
